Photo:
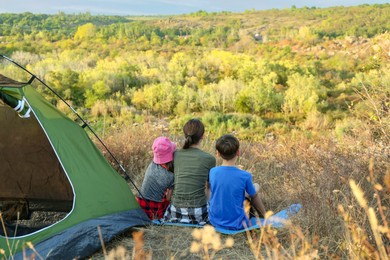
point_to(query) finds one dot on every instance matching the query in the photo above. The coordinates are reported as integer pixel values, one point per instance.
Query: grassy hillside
(306, 90)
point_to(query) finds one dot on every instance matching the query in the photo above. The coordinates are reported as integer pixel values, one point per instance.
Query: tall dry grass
(342, 180)
(315, 172)
(132, 148)
(342, 184)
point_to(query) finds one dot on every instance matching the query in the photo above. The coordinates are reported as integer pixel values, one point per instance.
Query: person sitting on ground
(229, 186)
(158, 182)
(192, 166)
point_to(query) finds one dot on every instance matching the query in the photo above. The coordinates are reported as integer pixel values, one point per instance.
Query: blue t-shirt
(226, 207)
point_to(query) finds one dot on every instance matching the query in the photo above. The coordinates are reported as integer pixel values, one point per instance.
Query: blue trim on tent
(82, 240)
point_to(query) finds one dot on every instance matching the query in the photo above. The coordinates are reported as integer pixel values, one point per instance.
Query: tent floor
(41, 205)
(21, 217)
(37, 221)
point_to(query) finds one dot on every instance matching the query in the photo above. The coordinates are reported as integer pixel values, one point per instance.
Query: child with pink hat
(158, 182)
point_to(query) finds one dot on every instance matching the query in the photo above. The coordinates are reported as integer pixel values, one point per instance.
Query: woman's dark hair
(170, 166)
(193, 131)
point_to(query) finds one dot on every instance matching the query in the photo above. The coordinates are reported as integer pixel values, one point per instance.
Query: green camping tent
(46, 159)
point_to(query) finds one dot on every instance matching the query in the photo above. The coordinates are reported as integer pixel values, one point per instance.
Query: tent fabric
(83, 239)
(59, 163)
(28, 162)
(9, 100)
(7, 82)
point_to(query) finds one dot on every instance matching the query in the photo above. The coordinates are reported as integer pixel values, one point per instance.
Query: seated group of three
(186, 186)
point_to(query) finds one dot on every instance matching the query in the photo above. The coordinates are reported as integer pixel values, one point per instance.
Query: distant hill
(251, 72)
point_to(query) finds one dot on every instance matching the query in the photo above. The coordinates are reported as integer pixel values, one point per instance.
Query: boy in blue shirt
(229, 186)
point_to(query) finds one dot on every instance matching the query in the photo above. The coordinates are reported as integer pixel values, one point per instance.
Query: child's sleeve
(249, 187)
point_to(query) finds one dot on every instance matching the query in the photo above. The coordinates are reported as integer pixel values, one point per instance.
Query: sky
(162, 7)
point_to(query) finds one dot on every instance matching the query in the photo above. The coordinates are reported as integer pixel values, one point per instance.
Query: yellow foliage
(85, 31)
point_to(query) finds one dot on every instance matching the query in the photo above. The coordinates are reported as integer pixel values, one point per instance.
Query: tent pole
(85, 123)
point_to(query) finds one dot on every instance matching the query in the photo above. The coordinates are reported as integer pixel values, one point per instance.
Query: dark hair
(193, 131)
(170, 166)
(227, 146)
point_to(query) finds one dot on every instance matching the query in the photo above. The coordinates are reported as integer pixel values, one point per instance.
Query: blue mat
(278, 220)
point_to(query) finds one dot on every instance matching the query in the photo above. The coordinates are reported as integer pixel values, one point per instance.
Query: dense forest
(271, 72)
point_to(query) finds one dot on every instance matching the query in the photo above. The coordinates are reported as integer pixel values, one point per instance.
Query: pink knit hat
(163, 150)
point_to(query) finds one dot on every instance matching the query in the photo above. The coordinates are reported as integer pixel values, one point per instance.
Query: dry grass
(343, 185)
(315, 173)
(164, 242)
(132, 147)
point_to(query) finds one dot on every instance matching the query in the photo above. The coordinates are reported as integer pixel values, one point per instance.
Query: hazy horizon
(162, 7)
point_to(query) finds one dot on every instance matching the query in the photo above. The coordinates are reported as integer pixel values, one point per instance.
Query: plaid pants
(154, 210)
(187, 215)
